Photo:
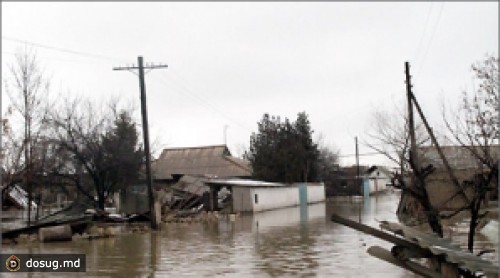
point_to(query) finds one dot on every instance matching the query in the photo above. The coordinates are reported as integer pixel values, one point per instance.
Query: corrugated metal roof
(244, 183)
(256, 183)
(440, 246)
(19, 197)
(213, 161)
(190, 184)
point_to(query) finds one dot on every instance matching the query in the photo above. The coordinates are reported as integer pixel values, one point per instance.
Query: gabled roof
(213, 161)
(378, 168)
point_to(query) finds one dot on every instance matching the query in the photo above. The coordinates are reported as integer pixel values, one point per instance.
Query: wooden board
(386, 255)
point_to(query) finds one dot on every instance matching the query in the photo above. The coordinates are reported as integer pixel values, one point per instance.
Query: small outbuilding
(377, 179)
(255, 196)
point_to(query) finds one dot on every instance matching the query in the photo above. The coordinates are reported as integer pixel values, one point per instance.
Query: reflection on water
(286, 242)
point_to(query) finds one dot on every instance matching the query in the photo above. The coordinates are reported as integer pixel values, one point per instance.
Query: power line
(203, 101)
(361, 154)
(49, 58)
(432, 37)
(108, 58)
(64, 50)
(424, 31)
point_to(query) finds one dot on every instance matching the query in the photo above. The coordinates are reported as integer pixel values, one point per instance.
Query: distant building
(345, 182)
(371, 180)
(377, 179)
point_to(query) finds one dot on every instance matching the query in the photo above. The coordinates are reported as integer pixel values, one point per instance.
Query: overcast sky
(229, 63)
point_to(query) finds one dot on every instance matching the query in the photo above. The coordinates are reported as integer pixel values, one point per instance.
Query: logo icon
(13, 263)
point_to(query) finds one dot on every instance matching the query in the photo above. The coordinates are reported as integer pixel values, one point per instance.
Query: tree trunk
(100, 200)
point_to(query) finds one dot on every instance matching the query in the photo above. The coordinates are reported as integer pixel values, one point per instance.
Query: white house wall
(242, 199)
(378, 184)
(269, 198)
(274, 197)
(315, 194)
(284, 217)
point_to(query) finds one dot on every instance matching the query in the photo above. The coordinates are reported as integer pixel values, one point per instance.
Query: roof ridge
(230, 159)
(198, 147)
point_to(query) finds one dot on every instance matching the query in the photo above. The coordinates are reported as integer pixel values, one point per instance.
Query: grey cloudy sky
(229, 63)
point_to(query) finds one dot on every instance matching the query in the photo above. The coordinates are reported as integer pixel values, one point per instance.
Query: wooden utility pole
(1, 161)
(411, 121)
(357, 166)
(412, 101)
(27, 152)
(145, 131)
(225, 134)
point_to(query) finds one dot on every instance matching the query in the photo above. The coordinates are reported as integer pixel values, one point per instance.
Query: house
(256, 196)
(344, 182)
(183, 170)
(377, 179)
(459, 157)
(442, 192)
(209, 161)
(371, 180)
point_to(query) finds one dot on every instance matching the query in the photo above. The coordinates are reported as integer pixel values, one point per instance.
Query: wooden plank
(34, 228)
(380, 234)
(386, 255)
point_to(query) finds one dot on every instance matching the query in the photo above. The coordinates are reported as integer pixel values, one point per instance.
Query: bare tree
(475, 127)
(389, 135)
(12, 152)
(328, 161)
(98, 142)
(27, 88)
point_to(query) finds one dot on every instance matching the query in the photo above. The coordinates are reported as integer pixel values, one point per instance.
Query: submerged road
(286, 242)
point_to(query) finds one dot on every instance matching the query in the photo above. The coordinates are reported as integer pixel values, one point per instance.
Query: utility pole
(411, 121)
(359, 184)
(145, 131)
(357, 166)
(27, 153)
(411, 126)
(412, 101)
(1, 161)
(225, 134)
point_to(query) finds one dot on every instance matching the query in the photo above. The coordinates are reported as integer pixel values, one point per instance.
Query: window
(256, 198)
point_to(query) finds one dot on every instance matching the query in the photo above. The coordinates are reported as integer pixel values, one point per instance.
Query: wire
(179, 84)
(49, 58)
(361, 154)
(201, 100)
(423, 32)
(432, 37)
(69, 51)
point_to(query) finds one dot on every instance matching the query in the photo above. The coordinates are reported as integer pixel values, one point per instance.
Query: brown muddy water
(282, 243)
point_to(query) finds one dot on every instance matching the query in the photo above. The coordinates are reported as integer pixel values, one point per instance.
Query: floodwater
(291, 242)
